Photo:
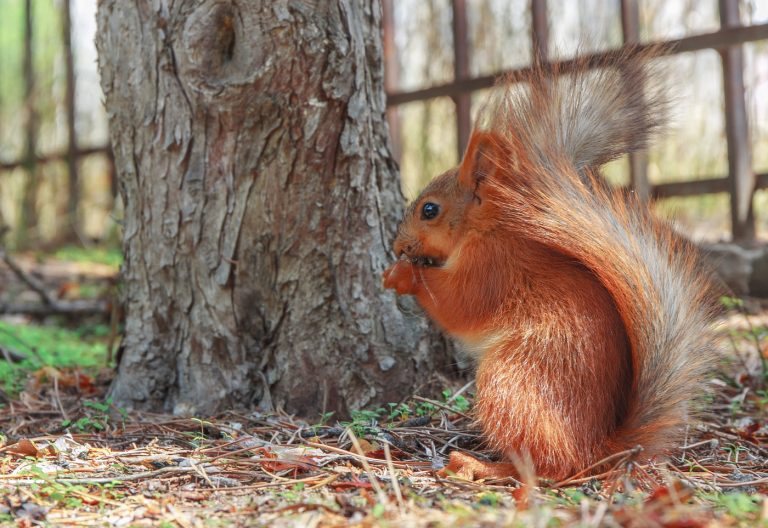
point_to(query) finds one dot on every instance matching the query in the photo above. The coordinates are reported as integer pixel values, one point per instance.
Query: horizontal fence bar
(716, 40)
(57, 156)
(661, 190)
(698, 187)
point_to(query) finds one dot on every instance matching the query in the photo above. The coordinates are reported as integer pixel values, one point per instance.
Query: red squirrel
(590, 319)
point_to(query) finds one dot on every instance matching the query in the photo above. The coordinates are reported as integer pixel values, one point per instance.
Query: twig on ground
(12, 356)
(57, 397)
(443, 406)
(398, 464)
(371, 475)
(23, 480)
(68, 308)
(36, 286)
(460, 391)
(393, 477)
(621, 456)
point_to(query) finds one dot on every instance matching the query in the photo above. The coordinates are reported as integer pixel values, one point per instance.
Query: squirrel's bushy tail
(555, 130)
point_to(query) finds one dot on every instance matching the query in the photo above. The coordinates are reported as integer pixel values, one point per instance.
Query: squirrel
(590, 319)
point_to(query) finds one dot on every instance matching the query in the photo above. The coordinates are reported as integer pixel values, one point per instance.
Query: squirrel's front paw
(401, 277)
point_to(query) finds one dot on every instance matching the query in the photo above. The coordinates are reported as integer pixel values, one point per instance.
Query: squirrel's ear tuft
(481, 160)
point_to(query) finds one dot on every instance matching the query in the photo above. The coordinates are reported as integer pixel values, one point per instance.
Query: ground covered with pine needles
(69, 456)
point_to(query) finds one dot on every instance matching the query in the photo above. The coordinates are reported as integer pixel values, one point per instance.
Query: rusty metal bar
(28, 72)
(391, 74)
(638, 161)
(57, 156)
(719, 39)
(697, 187)
(463, 101)
(28, 213)
(74, 184)
(630, 21)
(740, 172)
(539, 31)
(662, 190)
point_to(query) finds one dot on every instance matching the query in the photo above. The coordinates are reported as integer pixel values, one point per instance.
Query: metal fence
(72, 153)
(741, 181)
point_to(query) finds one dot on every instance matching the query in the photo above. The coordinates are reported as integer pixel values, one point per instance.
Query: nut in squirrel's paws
(469, 468)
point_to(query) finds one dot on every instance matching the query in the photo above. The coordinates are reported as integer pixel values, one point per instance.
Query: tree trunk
(260, 203)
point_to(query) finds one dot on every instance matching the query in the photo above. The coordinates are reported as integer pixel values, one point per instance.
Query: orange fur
(589, 317)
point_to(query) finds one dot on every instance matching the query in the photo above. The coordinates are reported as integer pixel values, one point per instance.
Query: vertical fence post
(391, 74)
(740, 173)
(28, 216)
(539, 31)
(74, 187)
(462, 101)
(638, 161)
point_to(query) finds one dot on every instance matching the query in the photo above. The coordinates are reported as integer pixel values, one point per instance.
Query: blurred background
(498, 35)
(57, 183)
(57, 186)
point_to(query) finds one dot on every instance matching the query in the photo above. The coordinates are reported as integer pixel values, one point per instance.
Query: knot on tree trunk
(219, 47)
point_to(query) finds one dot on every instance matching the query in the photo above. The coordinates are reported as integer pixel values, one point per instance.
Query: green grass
(740, 506)
(47, 345)
(98, 255)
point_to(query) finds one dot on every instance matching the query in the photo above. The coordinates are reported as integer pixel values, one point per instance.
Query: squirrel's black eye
(429, 210)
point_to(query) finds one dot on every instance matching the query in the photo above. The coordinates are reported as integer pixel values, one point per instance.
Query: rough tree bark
(260, 203)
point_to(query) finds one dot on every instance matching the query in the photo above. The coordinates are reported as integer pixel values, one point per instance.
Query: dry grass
(261, 469)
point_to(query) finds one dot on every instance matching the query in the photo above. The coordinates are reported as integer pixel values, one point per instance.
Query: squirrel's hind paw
(469, 468)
